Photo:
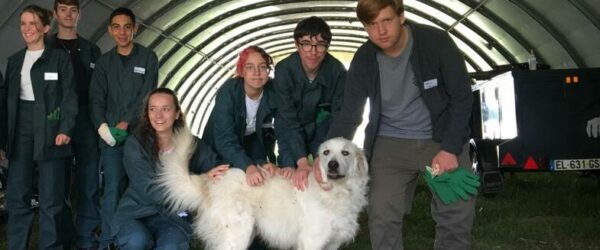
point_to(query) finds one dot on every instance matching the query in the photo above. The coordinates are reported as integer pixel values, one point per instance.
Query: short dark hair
(44, 14)
(66, 2)
(367, 10)
(122, 11)
(313, 26)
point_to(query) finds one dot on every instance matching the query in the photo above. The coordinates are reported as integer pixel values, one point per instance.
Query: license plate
(575, 164)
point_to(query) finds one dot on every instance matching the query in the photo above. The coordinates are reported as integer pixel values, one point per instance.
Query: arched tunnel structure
(197, 41)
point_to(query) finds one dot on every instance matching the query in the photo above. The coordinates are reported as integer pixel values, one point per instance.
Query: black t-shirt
(124, 58)
(81, 85)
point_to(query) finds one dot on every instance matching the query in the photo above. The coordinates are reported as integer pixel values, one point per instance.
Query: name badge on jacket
(430, 83)
(50, 76)
(92, 65)
(139, 70)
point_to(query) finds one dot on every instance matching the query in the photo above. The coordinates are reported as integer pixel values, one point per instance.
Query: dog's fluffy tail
(182, 190)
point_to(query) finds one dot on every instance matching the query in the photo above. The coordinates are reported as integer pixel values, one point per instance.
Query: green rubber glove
(119, 135)
(57, 113)
(322, 115)
(468, 181)
(54, 115)
(464, 183)
(440, 187)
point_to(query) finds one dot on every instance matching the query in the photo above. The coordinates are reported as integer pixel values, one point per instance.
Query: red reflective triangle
(530, 164)
(508, 160)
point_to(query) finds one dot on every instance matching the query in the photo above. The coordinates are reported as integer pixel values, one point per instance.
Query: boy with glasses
(309, 83)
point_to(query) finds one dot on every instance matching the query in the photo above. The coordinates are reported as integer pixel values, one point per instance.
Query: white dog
(230, 213)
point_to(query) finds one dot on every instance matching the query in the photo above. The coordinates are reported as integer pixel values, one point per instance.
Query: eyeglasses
(307, 47)
(260, 68)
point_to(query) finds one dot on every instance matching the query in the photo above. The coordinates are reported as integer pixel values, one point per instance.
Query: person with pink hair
(240, 127)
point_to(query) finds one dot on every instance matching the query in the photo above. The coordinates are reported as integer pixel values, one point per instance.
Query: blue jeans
(115, 182)
(87, 172)
(51, 184)
(153, 232)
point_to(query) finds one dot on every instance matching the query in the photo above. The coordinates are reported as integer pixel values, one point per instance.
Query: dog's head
(340, 158)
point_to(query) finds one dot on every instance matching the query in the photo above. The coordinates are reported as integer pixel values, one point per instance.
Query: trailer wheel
(492, 181)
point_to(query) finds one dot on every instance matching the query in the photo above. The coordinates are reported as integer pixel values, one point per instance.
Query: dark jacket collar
(134, 51)
(83, 44)
(324, 68)
(266, 100)
(20, 56)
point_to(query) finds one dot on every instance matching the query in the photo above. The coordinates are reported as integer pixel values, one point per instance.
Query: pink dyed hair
(243, 57)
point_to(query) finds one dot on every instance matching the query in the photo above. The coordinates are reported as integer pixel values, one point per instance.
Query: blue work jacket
(53, 88)
(226, 126)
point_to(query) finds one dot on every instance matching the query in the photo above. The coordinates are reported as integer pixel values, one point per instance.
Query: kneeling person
(143, 220)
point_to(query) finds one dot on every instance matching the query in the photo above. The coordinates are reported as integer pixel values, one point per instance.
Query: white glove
(593, 127)
(105, 134)
(435, 171)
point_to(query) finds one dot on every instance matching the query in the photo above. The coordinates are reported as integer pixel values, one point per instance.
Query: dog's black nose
(333, 165)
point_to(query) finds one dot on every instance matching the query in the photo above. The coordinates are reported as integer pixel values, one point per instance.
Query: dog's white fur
(230, 213)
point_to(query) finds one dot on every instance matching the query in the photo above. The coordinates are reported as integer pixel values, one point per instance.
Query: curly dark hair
(313, 26)
(144, 130)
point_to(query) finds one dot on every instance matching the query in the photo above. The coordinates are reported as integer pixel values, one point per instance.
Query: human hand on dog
(286, 172)
(319, 176)
(301, 175)
(253, 176)
(317, 170)
(217, 172)
(269, 169)
(444, 162)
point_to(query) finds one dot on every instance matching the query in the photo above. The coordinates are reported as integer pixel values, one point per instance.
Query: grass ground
(535, 211)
